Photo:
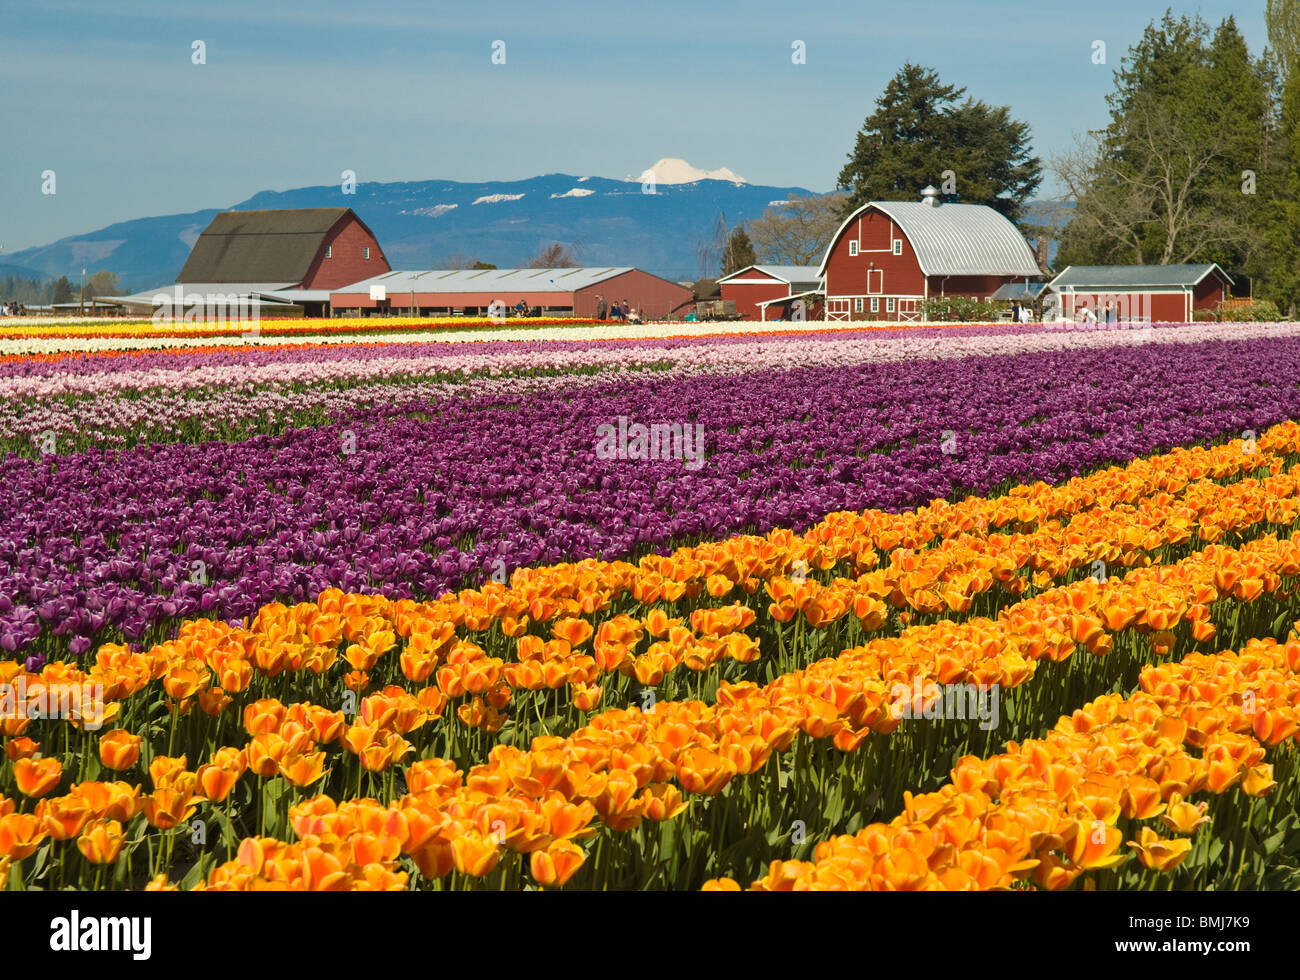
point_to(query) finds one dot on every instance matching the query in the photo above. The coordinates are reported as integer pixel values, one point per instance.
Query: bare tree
(462, 261)
(1153, 202)
(711, 248)
(557, 255)
(798, 231)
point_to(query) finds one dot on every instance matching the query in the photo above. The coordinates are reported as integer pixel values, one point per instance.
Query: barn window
(857, 304)
(875, 304)
(889, 305)
(898, 246)
(366, 250)
(853, 248)
(329, 251)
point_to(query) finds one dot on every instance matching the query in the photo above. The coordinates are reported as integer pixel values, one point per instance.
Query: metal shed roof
(487, 280)
(1129, 276)
(201, 289)
(954, 239)
(1019, 290)
(785, 273)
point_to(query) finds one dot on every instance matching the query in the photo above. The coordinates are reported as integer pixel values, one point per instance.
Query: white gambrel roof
(486, 280)
(954, 239)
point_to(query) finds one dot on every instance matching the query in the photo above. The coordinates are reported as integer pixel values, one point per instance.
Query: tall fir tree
(922, 128)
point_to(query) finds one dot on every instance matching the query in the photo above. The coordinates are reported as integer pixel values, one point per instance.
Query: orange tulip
(164, 771)
(1159, 854)
(432, 774)
(303, 770)
(720, 885)
(1259, 780)
(101, 841)
(187, 679)
(112, 801)
(213, 701)
(264, 753)
(434, 859)
(21, 748)
(586, 697)
(565, 819)
(703, 771)
(555, 865)
(1094, 846)
(475, 854)
(574, 631)
(119, 749)
(1273, 727)
(323, 872)
(1141, 799)
(64, 817)
(36, 777)
(662, 801)
(167, 808)
(1182, 817)
(20, 835)
(216, 781)
(263, 716)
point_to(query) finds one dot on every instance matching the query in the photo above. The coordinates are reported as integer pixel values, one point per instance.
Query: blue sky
(295, 92)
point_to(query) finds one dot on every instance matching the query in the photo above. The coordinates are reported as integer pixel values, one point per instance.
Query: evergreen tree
(62, 291)
(920, 129)
(739, 252)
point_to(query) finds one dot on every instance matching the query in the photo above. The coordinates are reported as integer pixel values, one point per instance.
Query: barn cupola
(930, 196)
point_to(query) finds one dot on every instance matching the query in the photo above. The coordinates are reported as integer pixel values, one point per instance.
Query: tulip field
(942, 607)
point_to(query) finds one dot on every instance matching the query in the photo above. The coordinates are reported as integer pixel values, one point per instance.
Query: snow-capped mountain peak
(671, 170)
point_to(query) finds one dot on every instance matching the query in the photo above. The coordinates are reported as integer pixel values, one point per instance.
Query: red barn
(889, 257)
(551, 292)
(1146, 293)
(756, 289)
(270, 263)
(311, 248)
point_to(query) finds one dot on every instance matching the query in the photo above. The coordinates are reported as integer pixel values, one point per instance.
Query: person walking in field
(601, 308)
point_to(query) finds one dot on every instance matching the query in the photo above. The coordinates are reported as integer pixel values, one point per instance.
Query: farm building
(310, 248)
(278, 263)
(550, 292)
(766, 292)
(1151, 293)
(889, 257)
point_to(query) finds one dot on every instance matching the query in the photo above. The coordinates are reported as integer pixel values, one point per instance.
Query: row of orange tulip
(1047, 811)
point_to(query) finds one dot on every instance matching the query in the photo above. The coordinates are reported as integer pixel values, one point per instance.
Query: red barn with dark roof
(313, 248)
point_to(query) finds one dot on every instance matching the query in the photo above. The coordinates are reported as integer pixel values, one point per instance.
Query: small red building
(758, 289)
(889, 257)
(551, 292)
(1140, 293)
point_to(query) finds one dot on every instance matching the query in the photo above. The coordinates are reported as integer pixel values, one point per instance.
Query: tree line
(38, 292)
